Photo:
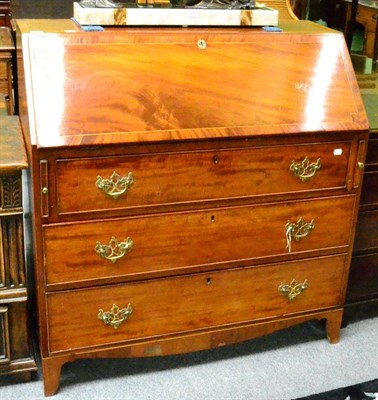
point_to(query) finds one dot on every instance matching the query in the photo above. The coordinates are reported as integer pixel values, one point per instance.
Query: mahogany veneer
(215, 222)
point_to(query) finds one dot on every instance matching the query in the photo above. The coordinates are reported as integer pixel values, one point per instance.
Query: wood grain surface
(181, 240)
(167, 178)
(13, 155)
(158, 85)
(190, 303)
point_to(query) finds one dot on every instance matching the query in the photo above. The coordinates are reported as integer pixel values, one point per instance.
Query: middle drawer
(150, 244)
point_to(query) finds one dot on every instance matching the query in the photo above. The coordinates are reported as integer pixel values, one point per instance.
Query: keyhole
(216, 159)
(208, 281)
(212, 219)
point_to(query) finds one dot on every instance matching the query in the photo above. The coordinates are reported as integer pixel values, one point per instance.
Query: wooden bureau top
(13, 155)
(157, 84)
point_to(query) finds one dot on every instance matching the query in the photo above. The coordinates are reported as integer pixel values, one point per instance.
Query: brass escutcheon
(292, 290)
(116, 185)
(305, 170)
(114, 250)
(116, 316)
(297, 230)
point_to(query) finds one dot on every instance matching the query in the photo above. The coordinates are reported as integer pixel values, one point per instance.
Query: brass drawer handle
(116, 316)
(292, 290)
(116, 185)
(297, 231)
(305, 170)
(114, 250)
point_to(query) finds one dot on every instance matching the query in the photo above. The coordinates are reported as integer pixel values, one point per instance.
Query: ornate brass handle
(114, 250)
(297, 231)
(116, 316)
(305, 170)
(292, 290)
(116, 186)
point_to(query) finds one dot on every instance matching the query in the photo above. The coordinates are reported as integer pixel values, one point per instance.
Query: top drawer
(121, 182)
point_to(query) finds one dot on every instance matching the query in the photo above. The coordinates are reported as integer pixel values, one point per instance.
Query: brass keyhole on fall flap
(208, 281)
(212, 218)
(216, 159)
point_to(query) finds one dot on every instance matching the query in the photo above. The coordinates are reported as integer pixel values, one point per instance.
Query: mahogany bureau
(192, 188)
(15, 348)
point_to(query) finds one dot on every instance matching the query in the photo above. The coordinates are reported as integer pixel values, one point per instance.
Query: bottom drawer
(182, 304)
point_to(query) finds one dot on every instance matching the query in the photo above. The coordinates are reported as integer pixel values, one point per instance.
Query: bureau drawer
(366, 231)
(369, 194)
(372, 151)
(201, 301)
(363, 278)
(164, 242)
(168, 178)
